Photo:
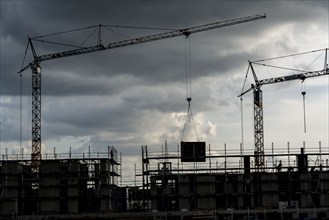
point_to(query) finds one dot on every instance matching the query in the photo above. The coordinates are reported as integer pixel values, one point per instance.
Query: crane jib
(181, 32)
(301, 76)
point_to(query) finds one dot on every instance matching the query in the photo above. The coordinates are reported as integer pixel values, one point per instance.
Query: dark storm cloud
(119, 90)
(154, 62)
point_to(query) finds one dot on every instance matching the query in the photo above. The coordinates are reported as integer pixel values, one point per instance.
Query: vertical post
(272, 156)
(289, 173)
(320, 153)
(225, 157)
(288, 154)
(209, 159)
(320, 165)
(241, 158)
(210, 185)
(178, 159)
(225, 186)
(120, 169)
(143, 174)
(135, 176)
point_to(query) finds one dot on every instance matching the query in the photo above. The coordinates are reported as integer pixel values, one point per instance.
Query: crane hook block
(189, 99)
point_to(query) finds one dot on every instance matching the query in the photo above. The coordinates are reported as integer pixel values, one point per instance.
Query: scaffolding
(294, 179)
(69, 183)
(294, 184)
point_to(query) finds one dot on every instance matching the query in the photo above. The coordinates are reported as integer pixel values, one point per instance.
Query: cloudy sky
(136, 95)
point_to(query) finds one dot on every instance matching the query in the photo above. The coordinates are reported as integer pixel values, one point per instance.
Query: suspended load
(193, 151)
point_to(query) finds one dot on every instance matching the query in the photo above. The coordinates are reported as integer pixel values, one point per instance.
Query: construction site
(194, 181)
(186, 184)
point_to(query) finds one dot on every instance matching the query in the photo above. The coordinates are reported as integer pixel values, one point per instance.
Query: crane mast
(258, 103)
(36, 68)
(36, 117)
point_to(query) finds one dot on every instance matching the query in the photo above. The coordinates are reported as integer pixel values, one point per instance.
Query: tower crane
(35, 66)
(258, 103)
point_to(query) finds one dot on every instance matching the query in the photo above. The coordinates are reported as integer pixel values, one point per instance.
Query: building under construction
(193, 182)
(228, 185)
(64, 184)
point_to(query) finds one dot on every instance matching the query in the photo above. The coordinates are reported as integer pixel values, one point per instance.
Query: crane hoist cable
(241, 105)
(189, 115)
(189, 119)
(188, 68)
(303, 92)
(21, 99)
(20, 109)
